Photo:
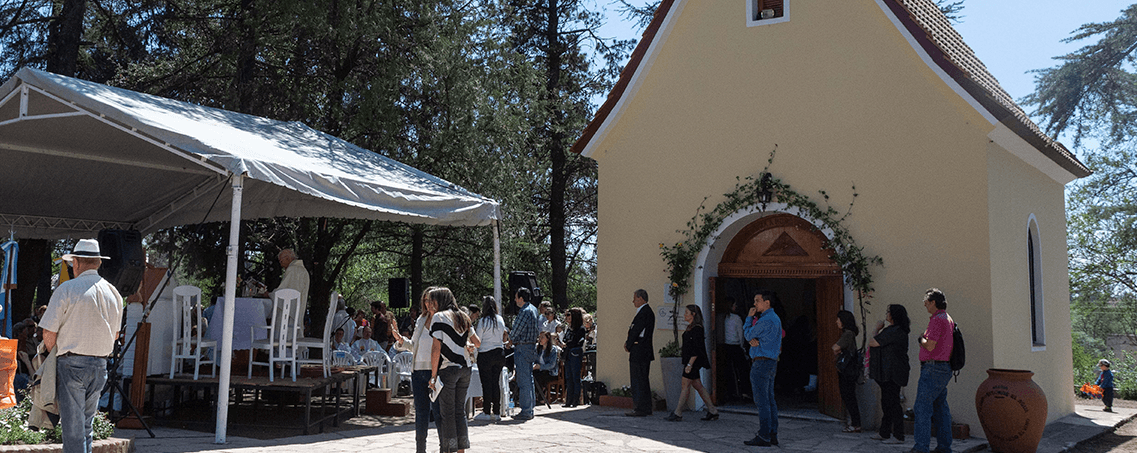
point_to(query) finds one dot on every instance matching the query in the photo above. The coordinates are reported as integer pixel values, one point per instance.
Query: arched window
(1034, 268)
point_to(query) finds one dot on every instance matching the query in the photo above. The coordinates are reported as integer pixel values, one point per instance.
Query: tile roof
(933, 31)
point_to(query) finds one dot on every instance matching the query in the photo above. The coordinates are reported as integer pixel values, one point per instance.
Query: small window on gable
(764, 12)
(1037, 301)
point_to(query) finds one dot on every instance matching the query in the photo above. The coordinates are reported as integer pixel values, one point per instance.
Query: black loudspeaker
(127, 261)
(398, 292)
(518, 280)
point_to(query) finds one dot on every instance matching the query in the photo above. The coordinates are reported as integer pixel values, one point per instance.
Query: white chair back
(187, 300)
(404, 365)
(189, 327)
(285, 331)
(382, 364)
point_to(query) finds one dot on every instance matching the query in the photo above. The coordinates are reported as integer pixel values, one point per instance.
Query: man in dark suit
(640, 354)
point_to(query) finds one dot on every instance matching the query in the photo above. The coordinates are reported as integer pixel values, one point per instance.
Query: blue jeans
(420, 385)
(572, 375)
(523, 357)
(79, 380)
(931, 406)
(762, 384)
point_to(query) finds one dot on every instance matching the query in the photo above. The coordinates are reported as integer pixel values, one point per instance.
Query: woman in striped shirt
(450, 363)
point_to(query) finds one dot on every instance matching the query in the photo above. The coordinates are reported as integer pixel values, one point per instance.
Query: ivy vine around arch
(844, 250)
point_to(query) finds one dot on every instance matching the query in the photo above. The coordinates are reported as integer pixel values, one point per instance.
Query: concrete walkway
(607, 430)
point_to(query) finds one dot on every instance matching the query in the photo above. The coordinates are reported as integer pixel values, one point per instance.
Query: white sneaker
(892, 441)
(483, 417)
(496, 418)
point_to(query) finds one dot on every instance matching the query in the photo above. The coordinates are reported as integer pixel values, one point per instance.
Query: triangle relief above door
(778, 245)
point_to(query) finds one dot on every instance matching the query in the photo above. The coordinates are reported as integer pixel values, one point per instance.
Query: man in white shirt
(82, 322)
(295, 277)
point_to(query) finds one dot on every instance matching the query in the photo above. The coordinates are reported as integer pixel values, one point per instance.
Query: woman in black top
(574, 352)
(694, 358)
(888, 366)
(848, 377)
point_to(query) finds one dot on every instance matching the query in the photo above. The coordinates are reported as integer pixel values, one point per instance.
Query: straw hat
(86, 248)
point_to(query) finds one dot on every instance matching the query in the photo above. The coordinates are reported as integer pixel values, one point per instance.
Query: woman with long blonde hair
(420, 343)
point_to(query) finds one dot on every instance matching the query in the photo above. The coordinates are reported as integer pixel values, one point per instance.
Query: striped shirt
(453, 343)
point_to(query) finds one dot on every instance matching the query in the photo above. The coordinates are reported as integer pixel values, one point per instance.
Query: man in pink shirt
(935, 372)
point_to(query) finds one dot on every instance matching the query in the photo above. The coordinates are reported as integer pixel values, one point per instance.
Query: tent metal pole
(226, 346)
(496, 266)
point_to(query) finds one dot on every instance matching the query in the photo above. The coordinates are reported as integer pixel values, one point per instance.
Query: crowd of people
(759, 337)
(447, 339)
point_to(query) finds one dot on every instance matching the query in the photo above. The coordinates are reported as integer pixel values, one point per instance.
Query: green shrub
(14, 428)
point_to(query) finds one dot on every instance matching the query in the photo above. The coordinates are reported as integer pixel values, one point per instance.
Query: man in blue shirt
(763, 330)
(524, 340)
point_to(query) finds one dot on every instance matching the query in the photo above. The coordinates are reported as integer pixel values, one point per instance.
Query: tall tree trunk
(559, 177)
(246, 57)
(64, 35)
(416, 262)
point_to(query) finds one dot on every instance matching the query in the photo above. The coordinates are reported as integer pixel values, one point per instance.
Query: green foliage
(624, 391)
(14, 427)
(1094, 88)
(842, 248)
(671, 349)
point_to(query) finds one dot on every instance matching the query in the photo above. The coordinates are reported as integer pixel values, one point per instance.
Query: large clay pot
(1012, 410)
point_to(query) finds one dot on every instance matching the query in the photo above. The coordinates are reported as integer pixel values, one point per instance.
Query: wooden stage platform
(256, 402)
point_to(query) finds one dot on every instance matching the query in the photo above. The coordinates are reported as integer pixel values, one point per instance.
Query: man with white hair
(82, 322)
(295, 277)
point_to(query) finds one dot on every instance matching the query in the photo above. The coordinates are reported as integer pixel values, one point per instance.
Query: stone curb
(112, 445)
(1109, 430)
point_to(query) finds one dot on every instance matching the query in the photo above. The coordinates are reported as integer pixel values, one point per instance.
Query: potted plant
(619, 397)
(672, 367)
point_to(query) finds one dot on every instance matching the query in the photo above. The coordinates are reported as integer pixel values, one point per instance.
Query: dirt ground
(1124, 439)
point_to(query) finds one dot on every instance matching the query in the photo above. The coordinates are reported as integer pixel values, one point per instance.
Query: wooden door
(830, 299)
(711, 321)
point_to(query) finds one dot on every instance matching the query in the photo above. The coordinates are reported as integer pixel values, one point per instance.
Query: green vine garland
(844, 250)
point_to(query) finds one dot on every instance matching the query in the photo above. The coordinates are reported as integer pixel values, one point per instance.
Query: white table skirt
(247, 312)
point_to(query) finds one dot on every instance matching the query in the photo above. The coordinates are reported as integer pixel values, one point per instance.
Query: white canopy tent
(77, 157)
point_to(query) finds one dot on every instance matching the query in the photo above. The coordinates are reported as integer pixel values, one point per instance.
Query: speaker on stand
(518, 280)
(398, 292)
(127, 262)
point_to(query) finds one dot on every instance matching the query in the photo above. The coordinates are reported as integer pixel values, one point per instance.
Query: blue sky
(1011, 37)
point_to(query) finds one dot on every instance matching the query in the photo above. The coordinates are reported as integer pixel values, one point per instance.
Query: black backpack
(958, 352)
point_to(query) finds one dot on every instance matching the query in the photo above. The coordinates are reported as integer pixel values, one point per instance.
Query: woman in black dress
(694, 358)
(888, 366)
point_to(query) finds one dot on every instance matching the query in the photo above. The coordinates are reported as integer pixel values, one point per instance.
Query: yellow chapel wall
(847, 101)
(1017, 192)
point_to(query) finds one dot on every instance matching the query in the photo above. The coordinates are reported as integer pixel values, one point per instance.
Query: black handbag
(847, 362)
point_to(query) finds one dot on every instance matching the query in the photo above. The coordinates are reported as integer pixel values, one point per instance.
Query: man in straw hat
(82, 321)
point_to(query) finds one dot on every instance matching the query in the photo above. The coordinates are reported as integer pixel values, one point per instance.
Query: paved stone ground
(606, 430)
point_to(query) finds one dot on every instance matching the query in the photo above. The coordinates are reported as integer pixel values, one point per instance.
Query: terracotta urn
(1012, 410)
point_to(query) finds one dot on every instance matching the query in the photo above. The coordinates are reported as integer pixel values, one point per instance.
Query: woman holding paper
(450, 367)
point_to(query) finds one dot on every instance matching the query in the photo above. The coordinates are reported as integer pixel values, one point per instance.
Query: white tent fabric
(79, 156)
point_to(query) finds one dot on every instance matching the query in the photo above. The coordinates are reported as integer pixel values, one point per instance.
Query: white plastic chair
(323, 344)
(382, 364)
(187, 343)
(282, 334)
(404, 365)
(506, 397)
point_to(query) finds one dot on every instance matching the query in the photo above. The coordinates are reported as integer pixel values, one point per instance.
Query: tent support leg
(226, 346)
(496, 266)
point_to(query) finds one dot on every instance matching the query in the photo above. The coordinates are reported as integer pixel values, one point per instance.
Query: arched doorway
(787, 254)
